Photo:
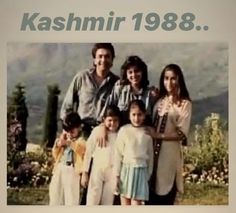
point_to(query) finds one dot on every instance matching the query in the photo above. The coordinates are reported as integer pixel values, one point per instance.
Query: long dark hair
(183, 93)
(136, 61)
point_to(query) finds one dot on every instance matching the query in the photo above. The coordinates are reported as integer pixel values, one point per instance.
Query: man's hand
(102, 137)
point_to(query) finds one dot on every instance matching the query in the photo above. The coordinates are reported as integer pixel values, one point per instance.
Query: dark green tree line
(50, 124)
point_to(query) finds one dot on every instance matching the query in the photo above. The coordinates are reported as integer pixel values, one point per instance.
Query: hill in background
(36, 65)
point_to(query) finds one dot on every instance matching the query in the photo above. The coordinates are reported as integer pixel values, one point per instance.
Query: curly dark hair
(131, 61)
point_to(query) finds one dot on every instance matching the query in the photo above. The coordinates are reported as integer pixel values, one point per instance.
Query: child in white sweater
(101, 183)
(134, 157)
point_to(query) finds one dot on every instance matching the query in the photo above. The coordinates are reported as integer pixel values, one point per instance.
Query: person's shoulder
(128, 127)
(119, 85)
(125, 127)
(81, 73)
(80, 140)
(187, 102)
(186, 105)
(113, 76)
(96, 129)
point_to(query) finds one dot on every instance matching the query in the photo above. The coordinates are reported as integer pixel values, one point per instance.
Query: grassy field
(195, 194)
(205, 194)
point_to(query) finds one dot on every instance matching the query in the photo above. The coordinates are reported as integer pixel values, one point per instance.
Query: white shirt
(102, 156)
(135, 147)
(170, 161)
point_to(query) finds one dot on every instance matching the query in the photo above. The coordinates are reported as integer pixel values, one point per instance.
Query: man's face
(103, 60)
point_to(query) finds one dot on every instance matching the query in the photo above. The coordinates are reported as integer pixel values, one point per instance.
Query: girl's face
(75, 132)
(134, 75)
(112, 123)
(136, 116)
(170, 82)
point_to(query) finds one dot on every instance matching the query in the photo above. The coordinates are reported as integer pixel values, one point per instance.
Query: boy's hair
(72, 120)
(112, 110)
(139, 103)
(107, 46)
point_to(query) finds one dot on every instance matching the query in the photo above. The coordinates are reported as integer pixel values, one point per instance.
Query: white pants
(64, 188)
(101, 186)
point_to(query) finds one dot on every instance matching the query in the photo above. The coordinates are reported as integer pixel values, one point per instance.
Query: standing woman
(133, 85)
(171, 115)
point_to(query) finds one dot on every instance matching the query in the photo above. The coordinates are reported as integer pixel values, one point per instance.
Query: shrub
(207, 158)
(30, 169)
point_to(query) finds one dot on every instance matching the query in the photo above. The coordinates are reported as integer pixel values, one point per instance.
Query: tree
(50, 125)
(18, 111)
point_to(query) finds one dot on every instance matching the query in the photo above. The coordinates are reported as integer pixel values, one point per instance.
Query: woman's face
(134, 75)
(170, 82)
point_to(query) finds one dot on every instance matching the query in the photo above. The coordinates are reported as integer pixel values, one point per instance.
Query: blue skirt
(134, 182)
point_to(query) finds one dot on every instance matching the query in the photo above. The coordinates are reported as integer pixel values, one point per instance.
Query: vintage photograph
(117, 123)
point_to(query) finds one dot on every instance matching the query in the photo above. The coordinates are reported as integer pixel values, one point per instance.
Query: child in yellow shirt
(68, 152)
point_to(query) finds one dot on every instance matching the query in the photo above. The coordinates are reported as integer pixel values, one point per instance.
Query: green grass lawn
(205, 194)
(195, 194)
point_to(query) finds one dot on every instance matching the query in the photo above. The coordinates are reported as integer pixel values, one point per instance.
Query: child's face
(75, 132)
(136, 116)
(112, 123)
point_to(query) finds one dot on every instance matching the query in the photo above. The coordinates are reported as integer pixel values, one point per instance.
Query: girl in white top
(101, 183)
(173, 110)
(134, 157)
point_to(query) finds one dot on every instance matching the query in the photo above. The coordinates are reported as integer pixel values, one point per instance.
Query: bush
(26, 168)
(207, 158)
(30, 169)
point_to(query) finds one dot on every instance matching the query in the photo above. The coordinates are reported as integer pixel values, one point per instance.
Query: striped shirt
(86, 97)
(122, 95)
